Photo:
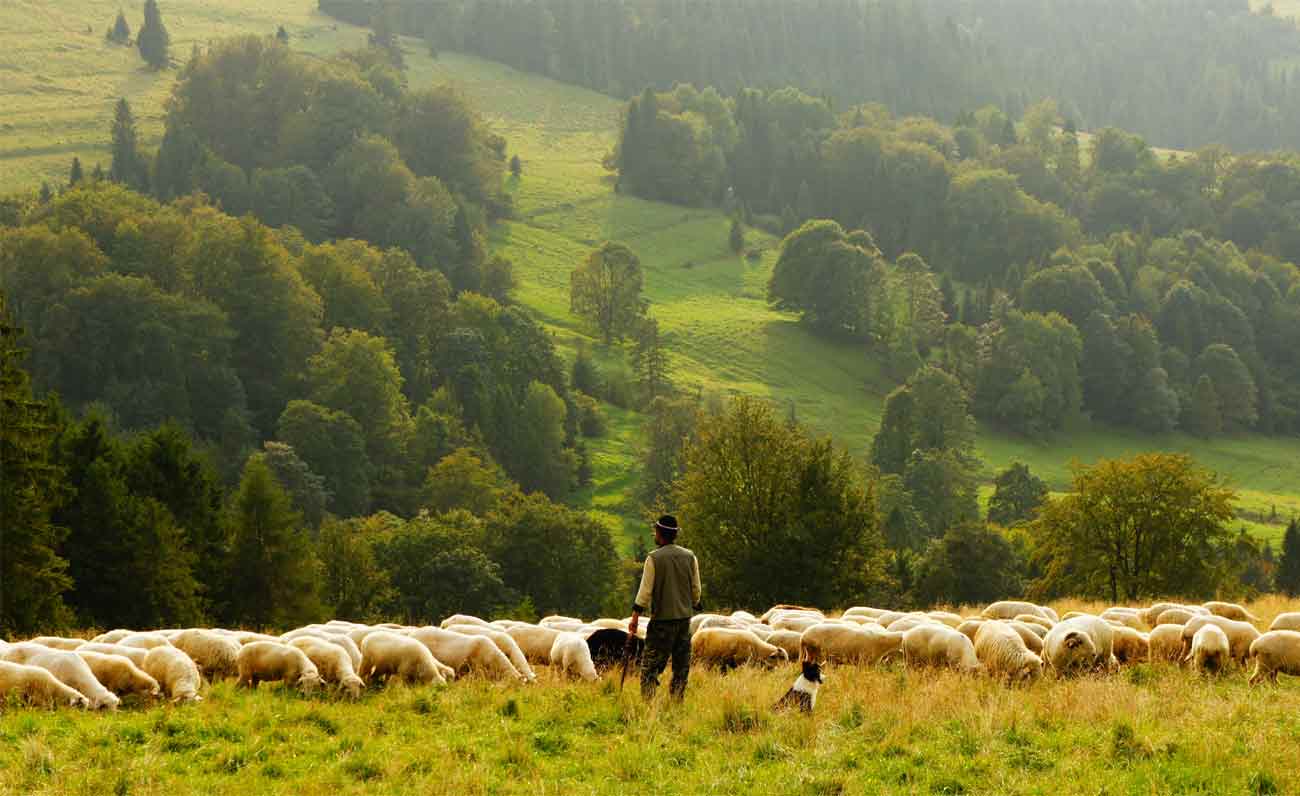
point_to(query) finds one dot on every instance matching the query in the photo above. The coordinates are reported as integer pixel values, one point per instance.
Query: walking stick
(627, 658)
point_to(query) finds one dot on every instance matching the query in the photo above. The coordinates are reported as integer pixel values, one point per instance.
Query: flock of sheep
(1011, 640)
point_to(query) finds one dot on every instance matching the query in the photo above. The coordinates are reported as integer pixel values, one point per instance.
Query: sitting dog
(803, 694)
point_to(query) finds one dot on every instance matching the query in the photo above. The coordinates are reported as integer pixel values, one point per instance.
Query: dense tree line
(1181, 73)
(1155, 293)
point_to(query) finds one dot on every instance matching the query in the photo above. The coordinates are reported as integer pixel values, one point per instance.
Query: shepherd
(670, 593)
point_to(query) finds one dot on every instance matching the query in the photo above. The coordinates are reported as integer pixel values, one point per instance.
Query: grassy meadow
(61, 79)
(1150, 729)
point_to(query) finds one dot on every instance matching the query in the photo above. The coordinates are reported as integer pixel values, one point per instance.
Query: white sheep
(112, 636)
(1029, 634)
(571, 656)
(941, 646)
(969, 627)
(1176, 616)
(464, 619)
(788, 640)
(1210, 650)
(176, 673)
(59, 643)
(1229, 611)
(144, 641)
(1165, 643)
(269, 661)
(535, 641)
(841, 643)
(1080, 643)
(215, 654)
(728, 647)
(36, 686)
(1035, 620)
(119, 674)
(73, 671)
(1240, 634)
(1010, 609)
(1130, 646)
(1003, 652)
(385, 654)
(906, 623)
(1286, 621)
(466, 653)
(332, 663)
(22, 652)
(506, 644)
(1275, 651)
(133, 654)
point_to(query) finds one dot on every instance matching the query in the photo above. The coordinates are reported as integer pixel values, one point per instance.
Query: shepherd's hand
(631, 626)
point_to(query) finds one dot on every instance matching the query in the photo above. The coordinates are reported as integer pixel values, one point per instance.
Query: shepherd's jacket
(670, 585)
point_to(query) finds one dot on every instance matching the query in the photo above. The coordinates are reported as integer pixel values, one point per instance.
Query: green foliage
(437, 568)
(1029, 372)
(1131, 529)
(561, 559)
(353, 584)
(1233, 386)
(606, 290)
(1017, 496)
(736, 238)
(463, 480)
(775, 516)
(120, 33)
(971, 563)
(306, 489)
(275, 574)
(333, 445)
(153, 40)
(355, 373)
(930, 412)
(1202, 415)
(943, 488)
(1288, 567)
(129, 166)
(669, 423)
(541, 460)
(32, 487)
(649, 360)
(827, 277)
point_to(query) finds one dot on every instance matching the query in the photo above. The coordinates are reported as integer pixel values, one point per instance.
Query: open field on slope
(56, 99)
(1149, 729)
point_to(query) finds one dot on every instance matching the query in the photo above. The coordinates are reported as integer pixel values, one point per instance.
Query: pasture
(61, 79)
(1148, 729)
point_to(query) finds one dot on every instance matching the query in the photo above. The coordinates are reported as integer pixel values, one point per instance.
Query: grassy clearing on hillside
(1146, 730)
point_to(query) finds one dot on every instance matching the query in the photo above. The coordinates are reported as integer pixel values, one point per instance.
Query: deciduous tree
(606, 290)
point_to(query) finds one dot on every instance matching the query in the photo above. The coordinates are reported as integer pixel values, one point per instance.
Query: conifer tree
(650, 361)
(33, 577)
(153, 41)
(1288, 567)
(128, 167)
(282, 35)
(76, 175)
(737, 239)
(516, 167)
(120, 33)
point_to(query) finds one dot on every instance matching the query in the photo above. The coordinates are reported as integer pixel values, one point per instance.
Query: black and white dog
(803, 694)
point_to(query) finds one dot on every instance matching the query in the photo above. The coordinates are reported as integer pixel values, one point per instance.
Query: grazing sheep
(906, 623)
(385, 654)
(1175, 616)
(1165, 644)
(119, 675)
(728, 648)
(704, 621)
(1210, 651)
(112, 636)
(946, 617)
(1003, 652)
(863, 611)
(535, 641)
(1082, 643)
(560, 622)
(134, 654)
(941, 646)
(838, 643)
(1036, 620)
(1229, 611)
(1130, 646)
(775, 610)
(73, 671)
(269, 661)
(466, 653)
(1010, 609)
(332, 663)
(969, 627)
(745, 617)
(144, 641)
(216, 655)
(176, 673)
(788, 640)
(1031, 635)
(797, 622)
(463, 619)
(508, 646)
(249, 637)
(36, 686)
(331, 635)
(1124, 617)
(1287, 621)
(571, 657)
(761, 630)
(1275, 651)
(22, 652)
(887, 618)
(59, 643)
(1240, 634)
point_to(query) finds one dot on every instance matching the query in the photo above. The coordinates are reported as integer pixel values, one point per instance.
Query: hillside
(722, 335)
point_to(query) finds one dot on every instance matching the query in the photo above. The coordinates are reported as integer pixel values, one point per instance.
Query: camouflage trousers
(666, 639)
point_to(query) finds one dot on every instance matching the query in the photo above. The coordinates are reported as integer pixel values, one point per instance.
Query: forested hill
(1183, 73)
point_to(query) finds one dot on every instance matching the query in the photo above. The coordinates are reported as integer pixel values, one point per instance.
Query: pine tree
(76, 175)
(46, 195)
(33, 577)
(274, 575)
(97, 173)
(1288, 568)
(128, 167)
(282, 35)
(737, 239)
(516, 167)
(120, 33)
(153, 40)
(650, 361)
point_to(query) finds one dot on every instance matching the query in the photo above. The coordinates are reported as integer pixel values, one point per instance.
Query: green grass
(722, 335)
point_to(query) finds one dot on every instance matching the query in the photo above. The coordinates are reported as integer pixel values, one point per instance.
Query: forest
(1183, 73)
